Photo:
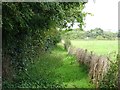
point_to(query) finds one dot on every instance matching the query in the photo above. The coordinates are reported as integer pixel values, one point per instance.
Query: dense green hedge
(30, 29)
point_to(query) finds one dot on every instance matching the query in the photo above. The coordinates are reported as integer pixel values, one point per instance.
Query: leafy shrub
(110, 80)
(74, 35)
(67, 44)
(99, 38)
(32, 83)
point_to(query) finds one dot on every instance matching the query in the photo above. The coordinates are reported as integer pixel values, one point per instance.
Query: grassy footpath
(60, 67)
(73, 75)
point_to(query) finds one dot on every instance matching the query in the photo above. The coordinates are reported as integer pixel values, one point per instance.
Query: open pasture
(101, 47)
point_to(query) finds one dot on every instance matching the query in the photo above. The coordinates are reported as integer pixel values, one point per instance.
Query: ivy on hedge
(29, 29)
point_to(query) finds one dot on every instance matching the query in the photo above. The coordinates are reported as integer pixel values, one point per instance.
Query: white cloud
(105, 14)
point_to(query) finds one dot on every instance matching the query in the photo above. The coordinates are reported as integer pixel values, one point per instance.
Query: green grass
(100, 47)
(60, 67)
(63, 69)
(73, 75)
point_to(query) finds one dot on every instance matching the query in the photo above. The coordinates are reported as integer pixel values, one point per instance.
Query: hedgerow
(29, 30)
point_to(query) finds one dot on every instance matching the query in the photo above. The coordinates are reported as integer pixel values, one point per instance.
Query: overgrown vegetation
(110, 80)
(29, 30)
(53, 70)
(40, 74)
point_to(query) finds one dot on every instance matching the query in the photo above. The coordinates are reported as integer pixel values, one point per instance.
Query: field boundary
(98, 64)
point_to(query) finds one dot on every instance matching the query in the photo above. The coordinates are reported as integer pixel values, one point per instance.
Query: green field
(100, 47)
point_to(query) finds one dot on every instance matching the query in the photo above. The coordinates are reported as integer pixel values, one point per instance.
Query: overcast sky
(105, 15)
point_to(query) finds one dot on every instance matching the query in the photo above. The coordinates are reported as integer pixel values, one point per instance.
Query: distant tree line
(96, 33)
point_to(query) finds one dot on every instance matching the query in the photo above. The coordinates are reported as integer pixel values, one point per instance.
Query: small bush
(111, 78)
(67, 44)
(99, 38)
